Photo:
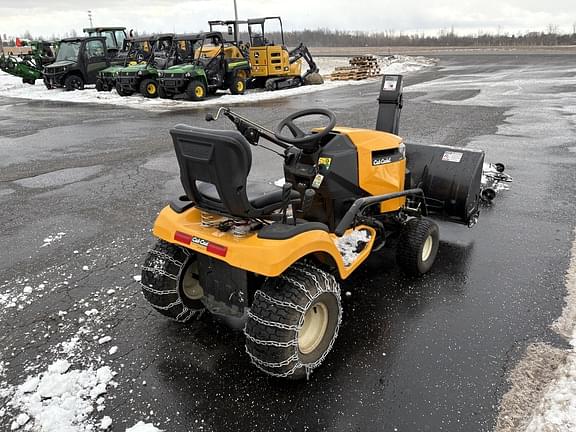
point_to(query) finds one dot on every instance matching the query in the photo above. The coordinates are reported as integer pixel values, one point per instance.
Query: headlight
(160, 74)
(187, 75)
(140, 73)
(402, 150)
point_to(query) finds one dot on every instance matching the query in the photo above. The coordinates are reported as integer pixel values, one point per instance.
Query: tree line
(341, 38)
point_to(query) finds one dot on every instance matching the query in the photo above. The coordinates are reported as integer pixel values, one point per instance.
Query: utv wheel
(149, 88)
(162, 93)
(196, 90)
(73, 82)
(417, 246)
(123, 92)
(238, 85)
(48, 85)
(99, 85)
(170, 282)
(293, 322)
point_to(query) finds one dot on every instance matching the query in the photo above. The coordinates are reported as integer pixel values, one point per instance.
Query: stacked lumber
(361, 67)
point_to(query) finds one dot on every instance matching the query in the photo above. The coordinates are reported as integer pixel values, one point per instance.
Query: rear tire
(149, 88)
(73, 82)
(417, 246)
(293, 322)
(99, 85)
(196, 90)
(170, 282)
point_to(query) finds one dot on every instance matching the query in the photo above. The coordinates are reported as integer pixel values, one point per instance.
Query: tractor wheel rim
(427, 249)
(151, 88)
(313, 328)
(190, 283)
(239, 86)
(199, 91)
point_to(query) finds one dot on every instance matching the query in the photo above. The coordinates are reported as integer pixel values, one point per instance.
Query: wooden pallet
(361, 67)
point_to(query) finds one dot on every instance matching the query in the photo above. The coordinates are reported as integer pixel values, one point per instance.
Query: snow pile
(143, 427)
(557, 409)
(350, 245)
(60, 399)
(11, 86)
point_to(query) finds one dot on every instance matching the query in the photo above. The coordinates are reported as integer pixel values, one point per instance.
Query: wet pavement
(412, 355)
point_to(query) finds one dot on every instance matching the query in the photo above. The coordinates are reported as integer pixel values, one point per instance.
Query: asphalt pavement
(80, 186)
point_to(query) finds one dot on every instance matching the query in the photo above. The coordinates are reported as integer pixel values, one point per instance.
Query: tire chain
(309, 367)
(167, 257)
(162, 272)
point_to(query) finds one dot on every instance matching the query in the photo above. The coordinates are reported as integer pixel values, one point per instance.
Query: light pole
(235, 22)
(90, 18)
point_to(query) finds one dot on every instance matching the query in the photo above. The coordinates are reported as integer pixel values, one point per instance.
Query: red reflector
(217, 249)
(182, 238)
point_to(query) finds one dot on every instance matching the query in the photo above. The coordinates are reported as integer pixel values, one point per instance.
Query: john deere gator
(211, 64)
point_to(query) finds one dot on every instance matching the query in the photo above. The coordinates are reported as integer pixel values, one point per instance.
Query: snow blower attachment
(448, 176)
(274, 256)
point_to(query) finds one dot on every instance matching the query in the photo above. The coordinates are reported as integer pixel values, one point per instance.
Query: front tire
(122, 92)
(417, 246)
(196, 90)
(238, 85)
(170, 282)
(73, 82)
(163, 95)
(149, 88)
(293, 322)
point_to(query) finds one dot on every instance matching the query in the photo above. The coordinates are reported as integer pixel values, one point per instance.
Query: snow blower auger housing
(274, 256)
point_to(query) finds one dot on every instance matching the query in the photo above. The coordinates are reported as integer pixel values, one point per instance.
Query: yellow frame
(261, 256)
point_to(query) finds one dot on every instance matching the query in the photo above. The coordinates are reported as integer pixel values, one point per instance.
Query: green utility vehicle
(143, 77)
(135, 51)
(29, 66)
(78, 62)
(212, 65)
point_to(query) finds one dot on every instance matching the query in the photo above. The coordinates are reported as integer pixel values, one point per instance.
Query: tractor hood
(64, 64)
(181, 69)
(135, 68)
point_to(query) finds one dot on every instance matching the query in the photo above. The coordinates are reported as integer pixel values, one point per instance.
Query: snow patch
(351, 245)
(59, 399)
(143, 427)
(12, 87)
(52, 238)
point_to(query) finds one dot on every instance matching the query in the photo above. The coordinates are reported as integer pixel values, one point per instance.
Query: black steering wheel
(301, 139)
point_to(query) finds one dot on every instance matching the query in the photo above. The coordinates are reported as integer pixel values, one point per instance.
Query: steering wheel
(301, 139)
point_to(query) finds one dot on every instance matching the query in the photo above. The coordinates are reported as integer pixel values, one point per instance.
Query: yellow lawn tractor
(274, 256)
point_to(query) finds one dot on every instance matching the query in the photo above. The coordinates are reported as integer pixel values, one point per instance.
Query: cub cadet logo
(200, 241)
(381, 160)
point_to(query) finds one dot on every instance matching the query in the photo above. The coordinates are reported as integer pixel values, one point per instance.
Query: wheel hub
(427, 248)
(191, 283)
(313, 329)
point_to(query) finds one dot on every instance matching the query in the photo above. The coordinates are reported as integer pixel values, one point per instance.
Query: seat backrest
(219, 157)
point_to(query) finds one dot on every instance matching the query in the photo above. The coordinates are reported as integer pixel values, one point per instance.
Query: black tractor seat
(214, 167)
(259, 194)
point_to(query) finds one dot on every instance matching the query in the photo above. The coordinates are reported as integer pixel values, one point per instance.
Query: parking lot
(81, 184)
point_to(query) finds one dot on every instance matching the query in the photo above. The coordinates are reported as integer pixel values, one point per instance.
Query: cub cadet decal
(200, 241)
(381, 160)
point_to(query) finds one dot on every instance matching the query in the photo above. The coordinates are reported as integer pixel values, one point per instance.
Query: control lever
(286, 192)
(309, 195)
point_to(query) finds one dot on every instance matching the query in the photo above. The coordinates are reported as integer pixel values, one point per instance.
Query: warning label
(450, 156)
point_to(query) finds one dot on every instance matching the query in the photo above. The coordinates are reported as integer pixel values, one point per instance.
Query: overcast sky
(48, 17)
